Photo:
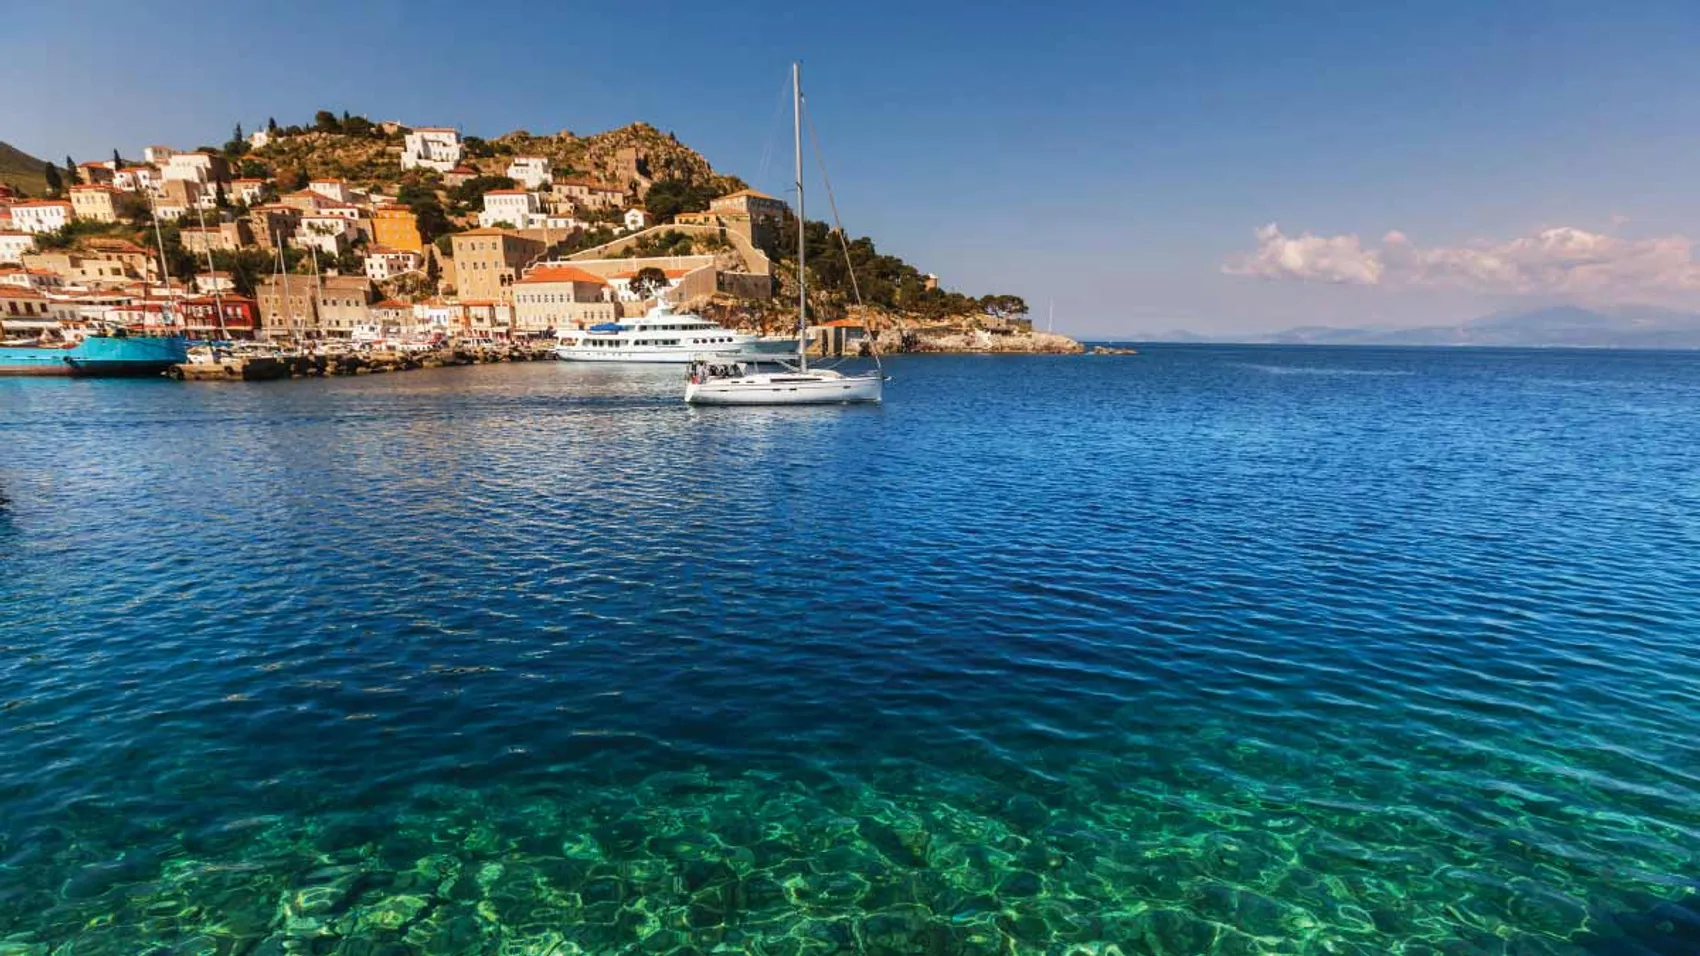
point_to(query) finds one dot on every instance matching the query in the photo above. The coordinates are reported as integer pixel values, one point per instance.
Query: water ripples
(1212, 650)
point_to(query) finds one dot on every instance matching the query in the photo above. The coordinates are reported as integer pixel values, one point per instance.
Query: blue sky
(1114, 158)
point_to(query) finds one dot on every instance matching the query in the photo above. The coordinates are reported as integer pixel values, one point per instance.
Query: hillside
(21, 170)
(370, 157)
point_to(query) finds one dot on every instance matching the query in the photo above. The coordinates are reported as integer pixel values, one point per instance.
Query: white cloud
(1338, 259)
(1558, 261)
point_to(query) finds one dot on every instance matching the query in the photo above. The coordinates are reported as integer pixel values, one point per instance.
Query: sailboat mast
(802, 223)
(164, 273)
(218, 299)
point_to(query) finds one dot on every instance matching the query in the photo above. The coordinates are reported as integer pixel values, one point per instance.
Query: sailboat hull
(795, 388)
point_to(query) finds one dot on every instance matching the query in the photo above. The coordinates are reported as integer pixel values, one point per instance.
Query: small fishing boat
(718, 382)
(109, 355)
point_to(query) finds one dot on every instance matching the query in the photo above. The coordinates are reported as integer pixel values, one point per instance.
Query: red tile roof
(753, 194)
(561, 274)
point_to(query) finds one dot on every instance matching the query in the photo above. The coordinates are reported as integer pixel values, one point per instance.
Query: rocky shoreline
(981, 342)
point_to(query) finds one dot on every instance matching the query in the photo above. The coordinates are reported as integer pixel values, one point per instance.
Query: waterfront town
(346, 233)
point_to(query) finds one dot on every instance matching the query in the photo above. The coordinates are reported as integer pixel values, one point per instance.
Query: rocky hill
(21, 170)
(633, 156)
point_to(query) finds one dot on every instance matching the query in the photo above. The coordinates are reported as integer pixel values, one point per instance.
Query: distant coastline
(1557, 327)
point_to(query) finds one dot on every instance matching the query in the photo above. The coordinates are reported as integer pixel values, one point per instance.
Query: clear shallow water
(1209, 650)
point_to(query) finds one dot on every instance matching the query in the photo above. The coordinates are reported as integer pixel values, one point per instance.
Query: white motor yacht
(666, 336)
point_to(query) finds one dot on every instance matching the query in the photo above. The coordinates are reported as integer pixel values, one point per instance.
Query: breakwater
(268, 368)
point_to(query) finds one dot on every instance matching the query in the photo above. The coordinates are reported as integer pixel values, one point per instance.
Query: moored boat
(97, 356)
(665, 336)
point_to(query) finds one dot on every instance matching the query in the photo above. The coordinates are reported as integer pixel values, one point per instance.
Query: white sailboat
(715, 382)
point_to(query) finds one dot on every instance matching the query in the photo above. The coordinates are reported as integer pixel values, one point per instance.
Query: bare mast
(802, 223)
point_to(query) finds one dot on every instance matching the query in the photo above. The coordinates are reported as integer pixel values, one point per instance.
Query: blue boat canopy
(608, 327)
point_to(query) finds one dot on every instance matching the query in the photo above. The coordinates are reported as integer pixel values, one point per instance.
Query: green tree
(1003, 306)
(54, 183)
(70, 168)
(648, 281)
(351, 263)
(117, 160)
(433, 271)
(271, 125)
(132, 208)
(669, 197)
(472, 191)
(326, 122)
(252, 169)
(219, 198)
(433, 221)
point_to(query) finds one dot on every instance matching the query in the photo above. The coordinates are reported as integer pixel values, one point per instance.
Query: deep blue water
(1225, 650)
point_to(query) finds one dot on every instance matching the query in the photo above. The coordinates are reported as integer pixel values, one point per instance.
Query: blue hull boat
(98, 356)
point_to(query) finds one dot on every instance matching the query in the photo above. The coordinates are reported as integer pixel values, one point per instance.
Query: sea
(1206, 650)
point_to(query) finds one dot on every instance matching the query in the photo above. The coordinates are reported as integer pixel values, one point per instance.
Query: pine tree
(271, 125)
(70, 170)
(117, 160)
(54, 184)
(238, 134)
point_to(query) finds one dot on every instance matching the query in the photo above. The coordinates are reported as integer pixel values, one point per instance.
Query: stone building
(488, 261)
(554, 297)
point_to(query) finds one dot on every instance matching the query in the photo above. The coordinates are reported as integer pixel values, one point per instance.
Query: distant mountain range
(1563, 326)
(22, 170)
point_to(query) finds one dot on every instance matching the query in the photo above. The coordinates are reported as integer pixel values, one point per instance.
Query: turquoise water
(1210, 650)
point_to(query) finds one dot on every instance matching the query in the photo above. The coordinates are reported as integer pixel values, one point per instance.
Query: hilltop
(21, 170)
(365, 154)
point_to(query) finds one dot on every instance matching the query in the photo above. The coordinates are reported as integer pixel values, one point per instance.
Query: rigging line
(772, 128)
(843, 240)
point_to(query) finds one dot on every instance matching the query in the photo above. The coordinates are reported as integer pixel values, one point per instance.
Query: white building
(135, 178)
(431, 317)
(530, 171)
(41, 215)
(169, 210)
(191, 167)
(433, 147)
(325, 232)
(246, 191)
(259, 138)
(157, 155)
(637, 219)
(210, 282)
(384, 263)
(621, 282)
(515, 207)
(332, 189)
(14, 243)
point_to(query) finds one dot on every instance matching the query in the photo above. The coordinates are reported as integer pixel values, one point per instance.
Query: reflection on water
(1163, 655)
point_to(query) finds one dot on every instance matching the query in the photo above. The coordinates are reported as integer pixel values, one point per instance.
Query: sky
(1135, 168)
